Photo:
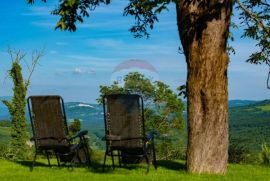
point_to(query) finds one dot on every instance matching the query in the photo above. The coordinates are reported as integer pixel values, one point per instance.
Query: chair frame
(53, 152)
(120, 151)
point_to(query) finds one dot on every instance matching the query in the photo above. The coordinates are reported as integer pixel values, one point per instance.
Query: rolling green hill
(249, 122)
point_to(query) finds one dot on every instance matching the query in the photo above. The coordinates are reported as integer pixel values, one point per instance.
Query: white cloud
(77, 71)
(81, 71)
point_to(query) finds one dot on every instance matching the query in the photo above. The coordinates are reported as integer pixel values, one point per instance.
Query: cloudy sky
(75, 64)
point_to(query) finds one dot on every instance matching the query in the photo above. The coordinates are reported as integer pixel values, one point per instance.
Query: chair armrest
(151, 135)
(80, 134)
(118, 138)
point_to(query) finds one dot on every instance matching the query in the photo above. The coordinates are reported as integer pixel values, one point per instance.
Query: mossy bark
(203, 29)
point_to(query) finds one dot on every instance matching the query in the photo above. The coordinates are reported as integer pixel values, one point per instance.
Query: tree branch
(254, 17)
(35, 58)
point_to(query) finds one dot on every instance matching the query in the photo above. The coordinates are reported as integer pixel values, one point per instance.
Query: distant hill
(234, 103)
(237, 103)
(250, 124)
(84, 111)
(94, 112)
(249, 121)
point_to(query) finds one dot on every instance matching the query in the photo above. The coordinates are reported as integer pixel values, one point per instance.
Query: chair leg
(112, 160)
(104, 161)
(147, 161)
(34, 161)
(58, 160)
(154, 157)
(86, 152)
(72, 162)
(119, 158)
(48, 158)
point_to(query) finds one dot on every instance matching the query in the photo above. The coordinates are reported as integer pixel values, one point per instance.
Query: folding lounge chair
(125, 131)
(50, 131)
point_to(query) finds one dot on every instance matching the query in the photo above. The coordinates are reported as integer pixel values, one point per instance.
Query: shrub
(163, 111)
(240, 153)
(74, 127)
(265, 154)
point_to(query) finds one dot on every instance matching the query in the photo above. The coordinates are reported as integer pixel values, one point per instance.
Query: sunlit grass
(167, 170)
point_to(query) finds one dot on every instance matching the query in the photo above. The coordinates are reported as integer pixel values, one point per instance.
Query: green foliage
(265, 154)
(255, 15)
(18, 148)
(163, 111)
(255, 18)
(74, 127)
(239, 153)
(74, 11)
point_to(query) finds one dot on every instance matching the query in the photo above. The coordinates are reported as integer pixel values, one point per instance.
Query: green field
(167, 170)
(264, 107)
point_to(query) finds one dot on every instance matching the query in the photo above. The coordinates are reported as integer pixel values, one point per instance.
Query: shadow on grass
(171, 165)
(166, 164)
(97, 166)
(29, 164)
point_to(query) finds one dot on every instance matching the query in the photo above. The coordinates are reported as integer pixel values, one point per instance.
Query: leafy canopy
(254, 16)
(163, 110)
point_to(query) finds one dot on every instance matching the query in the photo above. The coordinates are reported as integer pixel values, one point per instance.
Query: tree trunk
(203, 29)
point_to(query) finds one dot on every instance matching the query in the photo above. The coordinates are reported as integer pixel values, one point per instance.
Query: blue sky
(75, 64)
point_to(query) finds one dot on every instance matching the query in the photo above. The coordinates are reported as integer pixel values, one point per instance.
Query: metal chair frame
(54, 151)
(120, 152)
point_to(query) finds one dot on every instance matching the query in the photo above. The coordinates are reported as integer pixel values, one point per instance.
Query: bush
(240, 153)
(3, 150)
(163, 111)
(74, 127)
(265, 155)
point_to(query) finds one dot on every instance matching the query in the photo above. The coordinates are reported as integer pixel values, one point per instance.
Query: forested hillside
(249, 122)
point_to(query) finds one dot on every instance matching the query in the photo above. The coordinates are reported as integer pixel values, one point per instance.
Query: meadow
(167, 170)
(248, 123)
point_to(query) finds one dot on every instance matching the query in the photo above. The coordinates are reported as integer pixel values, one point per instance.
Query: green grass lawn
(167, 170)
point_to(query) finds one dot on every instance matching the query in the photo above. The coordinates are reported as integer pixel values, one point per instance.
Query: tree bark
(203, 28)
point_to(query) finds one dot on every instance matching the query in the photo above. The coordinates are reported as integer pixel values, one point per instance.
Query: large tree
(203, 27)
